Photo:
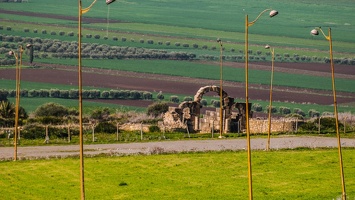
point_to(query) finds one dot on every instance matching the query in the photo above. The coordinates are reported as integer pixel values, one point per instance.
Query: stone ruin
(187, 117)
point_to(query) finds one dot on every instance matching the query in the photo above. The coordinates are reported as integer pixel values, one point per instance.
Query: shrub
(115, 38)
(105, 37)
(167, 43)
(188, 98)
(35, 30)
(61, 33)
(157, 109)
(8, 28)
(299, 111)
(53, 33)
(185, 45)
(147, 95)
(123, 39)
(26, 30)
(154, 129)
(71, 33)
(174, 99)
(88, 36)
(203, 102)
(313, 113)
(257, 107)
(150, 41)
(51, 109)
(177, 44)
(54, 93)
(141, 40)
(105, 127)
(160, 95)
(97, 36)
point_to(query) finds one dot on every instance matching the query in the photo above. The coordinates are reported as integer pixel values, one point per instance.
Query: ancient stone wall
(279, 125)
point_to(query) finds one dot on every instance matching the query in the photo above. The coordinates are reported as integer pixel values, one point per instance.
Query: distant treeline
(74, 94)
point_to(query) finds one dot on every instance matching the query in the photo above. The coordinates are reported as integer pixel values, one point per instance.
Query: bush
(157, 109)
(51, 109)
(160, 96)
(150, 41)
(203, 102)
(123, 39)
(174, 99)
(97, 36)
(188, 98)
(154, 129)
(257, 107)
(105, 127)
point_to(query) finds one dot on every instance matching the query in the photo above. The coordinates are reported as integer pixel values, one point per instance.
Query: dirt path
(285, 142)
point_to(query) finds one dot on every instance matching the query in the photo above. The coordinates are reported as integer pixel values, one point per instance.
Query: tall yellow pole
(270, 103)
(247, 108)
(82, 187)
(247, 24)
(336, 115)
(221, 127)
(17, 105)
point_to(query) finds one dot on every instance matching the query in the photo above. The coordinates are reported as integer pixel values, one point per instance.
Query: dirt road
(284, 142)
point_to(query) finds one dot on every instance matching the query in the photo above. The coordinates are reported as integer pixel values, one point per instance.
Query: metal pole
(17, 105)
(220, 90)
(82, 187)
(336, 116)
(270, 104)
(247, 109)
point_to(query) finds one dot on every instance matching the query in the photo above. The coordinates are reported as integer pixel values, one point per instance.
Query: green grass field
(285, 174)
(289, 33)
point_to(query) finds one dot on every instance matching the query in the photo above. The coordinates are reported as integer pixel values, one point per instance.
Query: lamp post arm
(85, 10)
(326, 37)
(256, 19)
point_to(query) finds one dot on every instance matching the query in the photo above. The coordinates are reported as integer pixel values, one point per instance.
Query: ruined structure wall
(262, 126)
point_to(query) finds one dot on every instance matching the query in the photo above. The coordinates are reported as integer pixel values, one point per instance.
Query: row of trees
(74, 94)
(44, 48)
(64, 49)
(288, 111)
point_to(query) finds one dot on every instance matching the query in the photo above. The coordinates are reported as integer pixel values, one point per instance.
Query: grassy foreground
(287, 174)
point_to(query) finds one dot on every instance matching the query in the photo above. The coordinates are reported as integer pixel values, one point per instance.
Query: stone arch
(203, 90)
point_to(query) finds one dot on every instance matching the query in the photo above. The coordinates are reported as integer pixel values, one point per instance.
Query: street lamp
(81, 12)
(329, 38)
(270, 103)
(247, 24)
(221, 89)
(18, 58)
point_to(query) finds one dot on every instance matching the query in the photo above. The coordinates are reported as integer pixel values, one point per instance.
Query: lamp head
(219, 40)
(315, 32)
(28, 46)
(267, 46)
(273, 13)
(11, 53)
(109, 1)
